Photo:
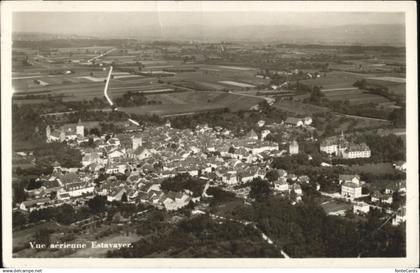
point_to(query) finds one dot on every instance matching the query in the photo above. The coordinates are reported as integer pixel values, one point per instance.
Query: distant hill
(347, 35)
(392, 35)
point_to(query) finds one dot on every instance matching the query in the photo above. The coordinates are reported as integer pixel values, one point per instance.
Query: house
(292, 176)
(294, 148)
(30, 205)
(377, 196)
(296, 188)
(115, 154)
(252, 135)
(295, 122)
(142, 153)
(400, 165)
(282, 173)
(77, 189)
(351, 190)
(348, 178)
(261, 123)
(361, 208)
(230, 177)
(307, 121)
(400, 217)
(264, 134)
(281, 185)
(63, 196)
(303, 179)
(116, 194)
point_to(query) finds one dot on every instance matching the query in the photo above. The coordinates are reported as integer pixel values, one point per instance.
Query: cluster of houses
(351, 189)
(150, 155)
(131, 166)
(339, 146)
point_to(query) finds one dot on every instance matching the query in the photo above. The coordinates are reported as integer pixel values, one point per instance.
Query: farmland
(194, 101)
(299, 108)
(172, 79)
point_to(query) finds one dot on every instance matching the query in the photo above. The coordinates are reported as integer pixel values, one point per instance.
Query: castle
(65, 132)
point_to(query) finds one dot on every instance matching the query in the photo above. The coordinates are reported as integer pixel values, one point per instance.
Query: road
(360, 117)
(101, 55)
(269, 100)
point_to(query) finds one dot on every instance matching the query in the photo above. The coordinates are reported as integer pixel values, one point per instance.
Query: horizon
(122, 23)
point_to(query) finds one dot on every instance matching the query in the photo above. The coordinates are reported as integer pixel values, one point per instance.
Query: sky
(111, 23)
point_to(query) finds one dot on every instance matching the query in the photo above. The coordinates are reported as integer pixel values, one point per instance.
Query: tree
(260, 189)
(42, 236)
(231, 150)
(97, 204)
(398, 117)
(272, 175)
(124, 197)
(18, 219)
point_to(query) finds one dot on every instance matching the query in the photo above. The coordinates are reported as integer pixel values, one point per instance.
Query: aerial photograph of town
(194, 135)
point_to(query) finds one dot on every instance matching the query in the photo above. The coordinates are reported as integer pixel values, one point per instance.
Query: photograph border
(412, 223)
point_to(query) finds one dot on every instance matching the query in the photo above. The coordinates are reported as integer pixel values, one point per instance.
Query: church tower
(137, 142)
(80, 129)
(48, 133)
(294, 147)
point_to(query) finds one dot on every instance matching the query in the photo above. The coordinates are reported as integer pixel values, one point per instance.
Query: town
(179, 147)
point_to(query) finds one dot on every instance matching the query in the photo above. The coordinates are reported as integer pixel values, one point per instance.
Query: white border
(408, 7)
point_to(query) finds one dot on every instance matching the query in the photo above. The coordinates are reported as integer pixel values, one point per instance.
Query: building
(137, 142)
(351, 186)
(80, 128)
(361, 208)
(294, 148)
(70, 131)
(295, 122)
(339, 146)
(342, 178)
(400, 217)
(252, 135)
(264, 134)
(307, 120)
(400, 165)
(281, 185)
(261, 123)
(334, 145)
(351, 189)
(356, 151)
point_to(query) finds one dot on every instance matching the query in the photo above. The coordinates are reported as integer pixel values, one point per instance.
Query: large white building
(356, 151)
(351, 187)
(339, 146)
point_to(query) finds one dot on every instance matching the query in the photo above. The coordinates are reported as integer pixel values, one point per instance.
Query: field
(354, 96)
(333, 206)
(299, 108)
(394, 85)
(374, 168)
(194, 101)
(335, 79)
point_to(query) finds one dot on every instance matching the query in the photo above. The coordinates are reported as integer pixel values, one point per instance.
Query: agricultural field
(374, 168)
(395, 85)
(335, 79)
(193, 101)
(354, 96)
(299, 108)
